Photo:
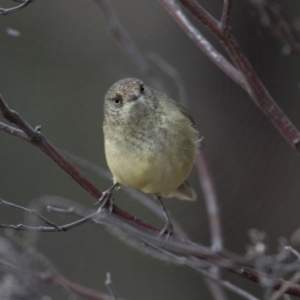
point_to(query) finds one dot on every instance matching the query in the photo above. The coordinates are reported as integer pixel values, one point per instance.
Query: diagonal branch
(64, 283)
(6, 11)
(250, 82)
(184, 247)
(225, 15)
(205, 46)
(126, 42)
(36, 138)
(206, 182)
(134, 194)
(211, 200)
(273, 18)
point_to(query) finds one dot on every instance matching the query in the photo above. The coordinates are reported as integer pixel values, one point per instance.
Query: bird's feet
(106, 201)
(107, 198)
(167, 231)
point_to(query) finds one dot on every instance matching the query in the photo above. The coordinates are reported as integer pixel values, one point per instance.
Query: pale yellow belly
(154, 171)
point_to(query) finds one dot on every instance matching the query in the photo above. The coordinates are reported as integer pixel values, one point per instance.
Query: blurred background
(57, 60)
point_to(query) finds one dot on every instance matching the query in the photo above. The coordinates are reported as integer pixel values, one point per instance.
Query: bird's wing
(182, 109)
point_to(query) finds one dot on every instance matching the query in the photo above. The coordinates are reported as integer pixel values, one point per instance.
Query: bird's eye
(117, 101)
(142, 88)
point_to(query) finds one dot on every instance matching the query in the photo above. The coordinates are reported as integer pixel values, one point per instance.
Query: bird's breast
(149, 158)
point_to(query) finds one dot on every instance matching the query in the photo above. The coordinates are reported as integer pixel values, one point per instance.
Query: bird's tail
(184, 192)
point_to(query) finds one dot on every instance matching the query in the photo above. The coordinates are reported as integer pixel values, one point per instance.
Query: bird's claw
(106, 197)
(167, 231)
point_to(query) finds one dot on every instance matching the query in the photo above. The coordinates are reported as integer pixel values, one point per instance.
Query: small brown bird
(150, 141)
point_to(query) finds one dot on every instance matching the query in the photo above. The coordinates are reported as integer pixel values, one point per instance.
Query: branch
(220, 261)
(205, 46)
(126, 42)
(6, 11)
(31, 211)
(171, 71)
(35, 137)
(60, 281)
(134, 194)
(250, 81)
(13, 131)
(215, 278)
(202, 165)
(211, 201)
(110, 286)
(273, 18)
(205, 181)
(212, 209)
(188, 248)
(202, 253)
(225, 15)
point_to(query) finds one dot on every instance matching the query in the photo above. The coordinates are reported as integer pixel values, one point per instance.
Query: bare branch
(225, 15)
(212, 208)
(31, 211)
(229, 286)
(127, 43)
(204, 172)
(206, 183)
(223, 263)
(293, 251)
(6, 11)
(211, 201)
(110, 286)
(172, 73)
(60, 281)
(135, 194)
(277, 294)
(251, 82)
(273, 18)
(226, 284)
(13, 131)
(36, 138)
(185, 247)
(175, 11)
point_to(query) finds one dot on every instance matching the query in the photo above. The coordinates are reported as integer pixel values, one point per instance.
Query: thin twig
(31, 211)
(211, 201)
(126, 42)
(182, 260)
(258, 92)
(36, 138)
(135, 194)
(228, 285)
(215, 56)
(250, 81)
(172, 73)
(110, 286)
(60, 281)
(205, 181)
(202, 165)
(13, 131)
(251, 274)
(213, 212)
(295, 278)
(53, 227)
(6, 11)
(277, 294)
(225, 15)
(293, 251)
(273, 18)
(185, 247)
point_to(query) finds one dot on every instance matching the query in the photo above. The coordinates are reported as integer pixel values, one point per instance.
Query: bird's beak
(133, 97)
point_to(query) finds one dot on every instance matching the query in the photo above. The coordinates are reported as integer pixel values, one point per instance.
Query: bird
(150, 142)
